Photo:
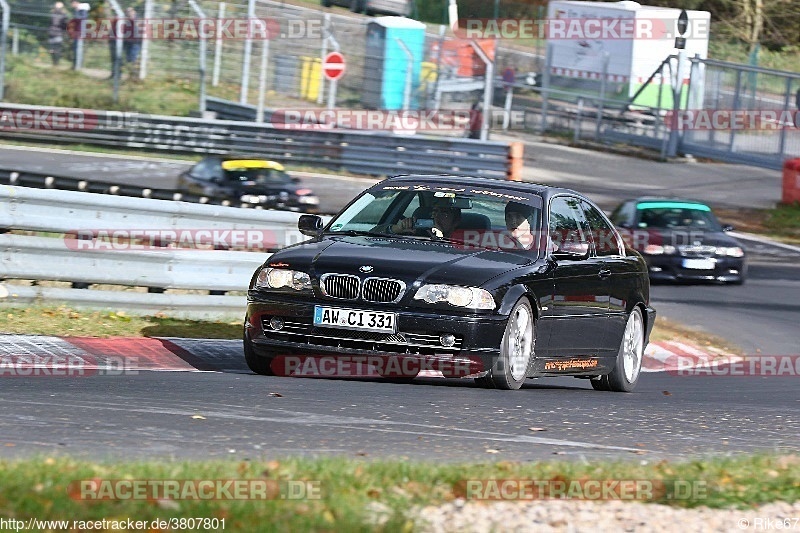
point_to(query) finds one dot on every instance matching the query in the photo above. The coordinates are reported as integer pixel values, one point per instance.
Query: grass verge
(781, 223)
(353, 495)
(65, 321)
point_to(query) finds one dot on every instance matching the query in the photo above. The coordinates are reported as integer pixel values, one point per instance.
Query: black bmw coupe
(471, 277)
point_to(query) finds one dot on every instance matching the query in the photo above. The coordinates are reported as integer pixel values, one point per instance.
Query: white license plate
(337, 317)
(699, 264)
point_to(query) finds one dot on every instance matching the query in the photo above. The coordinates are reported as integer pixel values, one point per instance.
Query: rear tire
(257, 363)
(516, 351)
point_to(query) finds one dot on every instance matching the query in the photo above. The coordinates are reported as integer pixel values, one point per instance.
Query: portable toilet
(394, 55)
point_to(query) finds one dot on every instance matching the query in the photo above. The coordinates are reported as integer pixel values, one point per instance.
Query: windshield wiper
(358, 233)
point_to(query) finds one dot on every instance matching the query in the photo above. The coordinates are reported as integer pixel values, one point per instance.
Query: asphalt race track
(250, 417)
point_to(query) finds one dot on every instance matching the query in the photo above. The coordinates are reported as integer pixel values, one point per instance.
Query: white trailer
(634, 39)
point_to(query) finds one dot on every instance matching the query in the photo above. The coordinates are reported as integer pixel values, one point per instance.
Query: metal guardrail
(70, 211)
(362, 152)
(40, 180)
(88, 251)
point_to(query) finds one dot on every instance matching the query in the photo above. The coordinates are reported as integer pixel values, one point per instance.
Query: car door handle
(603, 274)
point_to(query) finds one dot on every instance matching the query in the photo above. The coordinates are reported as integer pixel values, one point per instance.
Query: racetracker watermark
(193, 29)
(196, 239)
(731, 119)
(194, 489)
(402, 120)
(582, 489)
(750, 366)
(48, 119)
(360, 366)
(66, 366)
(579, 29)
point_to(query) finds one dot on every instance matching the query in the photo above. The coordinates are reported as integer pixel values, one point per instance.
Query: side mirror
(295, 179)
(310, 225)
(572, 251)
(727, 227)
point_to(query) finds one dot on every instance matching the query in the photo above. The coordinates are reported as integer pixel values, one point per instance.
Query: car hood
(404, 259)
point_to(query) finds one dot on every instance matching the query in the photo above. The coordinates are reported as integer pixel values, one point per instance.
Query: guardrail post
(515, 161)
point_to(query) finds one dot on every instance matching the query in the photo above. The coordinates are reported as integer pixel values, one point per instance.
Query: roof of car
(474, 181)
(675, 199)
(230, 164)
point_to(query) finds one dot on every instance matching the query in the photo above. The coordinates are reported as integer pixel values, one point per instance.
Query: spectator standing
(133, 38)
(475, 121)
(80, 12)
(55, 32)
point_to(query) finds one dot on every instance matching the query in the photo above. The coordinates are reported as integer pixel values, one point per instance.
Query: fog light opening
(447, 340)
(276, 323)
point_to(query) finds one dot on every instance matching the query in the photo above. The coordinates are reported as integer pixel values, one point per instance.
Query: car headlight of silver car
(730, 251)
(471, 297)
(278, 278)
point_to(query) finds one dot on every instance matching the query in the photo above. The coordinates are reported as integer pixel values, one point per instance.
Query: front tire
(628, 366)
(257, 363)
(516, 351)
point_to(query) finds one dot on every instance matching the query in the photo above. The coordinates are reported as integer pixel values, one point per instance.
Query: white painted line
(763, 240)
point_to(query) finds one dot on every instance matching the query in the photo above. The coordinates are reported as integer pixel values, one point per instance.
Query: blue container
(387, 63)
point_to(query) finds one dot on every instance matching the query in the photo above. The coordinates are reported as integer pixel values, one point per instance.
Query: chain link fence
(593, 105)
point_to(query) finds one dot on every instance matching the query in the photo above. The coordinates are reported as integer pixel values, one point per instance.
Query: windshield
(676, 215)
(257, 176)
(460, 215)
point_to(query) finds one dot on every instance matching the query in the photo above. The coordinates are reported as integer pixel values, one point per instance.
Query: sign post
(333, 67)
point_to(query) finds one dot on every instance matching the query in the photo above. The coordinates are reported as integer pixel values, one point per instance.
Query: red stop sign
(333, 66)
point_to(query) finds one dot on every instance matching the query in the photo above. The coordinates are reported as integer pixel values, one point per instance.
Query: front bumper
(674, 268)
(477, 337)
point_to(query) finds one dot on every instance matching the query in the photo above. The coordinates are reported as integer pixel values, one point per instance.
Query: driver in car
(446, 218)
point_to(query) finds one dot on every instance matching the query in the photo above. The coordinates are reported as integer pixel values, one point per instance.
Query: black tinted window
(566, 221)
(605, 238)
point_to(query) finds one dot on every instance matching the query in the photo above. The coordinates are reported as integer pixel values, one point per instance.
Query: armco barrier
(370, 153)
(157, 266)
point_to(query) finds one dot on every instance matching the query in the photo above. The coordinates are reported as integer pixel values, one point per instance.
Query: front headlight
(732, 251)
(277, 278)
(471, 297)
(657, 249)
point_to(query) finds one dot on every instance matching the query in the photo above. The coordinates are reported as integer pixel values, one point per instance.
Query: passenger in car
(519, 224)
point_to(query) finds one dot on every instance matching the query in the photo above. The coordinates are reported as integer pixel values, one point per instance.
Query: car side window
(204, 170)
(623, 215)
(566, 221)
(606, 240)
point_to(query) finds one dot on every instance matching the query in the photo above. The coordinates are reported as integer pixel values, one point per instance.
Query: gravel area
(586, 516)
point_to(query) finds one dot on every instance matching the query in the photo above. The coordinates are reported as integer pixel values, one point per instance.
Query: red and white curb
(133, 354)
(672, 356)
